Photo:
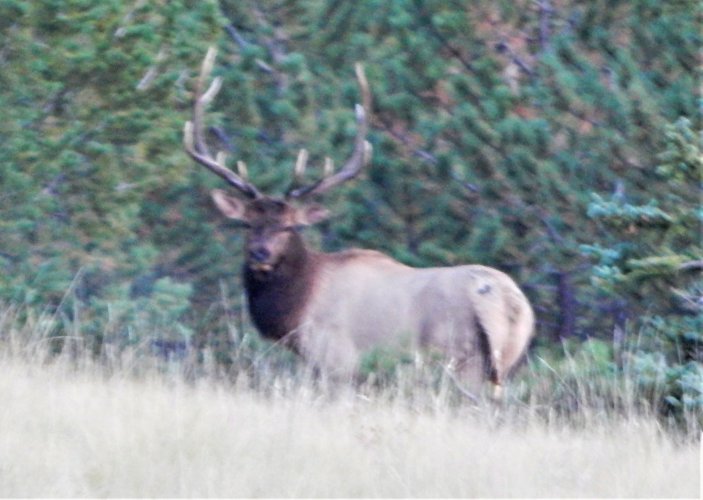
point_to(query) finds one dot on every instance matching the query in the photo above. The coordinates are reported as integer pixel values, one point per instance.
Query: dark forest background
(559, 141)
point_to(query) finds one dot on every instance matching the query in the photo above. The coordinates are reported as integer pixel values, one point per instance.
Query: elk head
(273, 222)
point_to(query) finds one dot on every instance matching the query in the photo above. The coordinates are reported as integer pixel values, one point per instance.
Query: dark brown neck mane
(276, 299)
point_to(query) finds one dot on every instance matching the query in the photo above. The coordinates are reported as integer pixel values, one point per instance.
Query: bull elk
(333, 307)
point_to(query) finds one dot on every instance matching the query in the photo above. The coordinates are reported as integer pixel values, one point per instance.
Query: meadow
(76, 425)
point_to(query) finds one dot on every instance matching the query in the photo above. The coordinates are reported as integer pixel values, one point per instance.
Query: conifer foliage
(554, 139)
(650, 260)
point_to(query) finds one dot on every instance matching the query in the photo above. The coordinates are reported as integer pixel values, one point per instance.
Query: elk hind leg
(495, 330)
(507, 332)
(521, 321)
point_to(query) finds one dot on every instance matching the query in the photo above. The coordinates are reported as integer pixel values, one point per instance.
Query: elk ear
(308, 215)
(230, 206)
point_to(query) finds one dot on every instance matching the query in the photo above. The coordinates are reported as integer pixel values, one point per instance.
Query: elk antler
(359, 158)
(194, 135)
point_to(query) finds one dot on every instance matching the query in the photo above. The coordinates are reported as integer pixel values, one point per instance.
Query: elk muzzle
(259, 259)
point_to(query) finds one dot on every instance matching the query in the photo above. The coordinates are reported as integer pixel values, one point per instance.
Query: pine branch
(236, 37)
(426, 19)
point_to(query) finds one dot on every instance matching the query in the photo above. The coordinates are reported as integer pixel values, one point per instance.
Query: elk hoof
(497, 394)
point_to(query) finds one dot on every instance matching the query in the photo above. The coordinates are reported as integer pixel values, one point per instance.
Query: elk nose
(259, 254)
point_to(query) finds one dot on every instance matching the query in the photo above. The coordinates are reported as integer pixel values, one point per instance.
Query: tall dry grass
(70, 427)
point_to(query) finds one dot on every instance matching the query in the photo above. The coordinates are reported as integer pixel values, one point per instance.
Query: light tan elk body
(334, 307)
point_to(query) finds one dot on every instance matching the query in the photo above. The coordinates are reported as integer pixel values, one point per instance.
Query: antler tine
(221, 158)
(362, 148)
(298, 171)
(194, 135)
(328, 168)
(242, 169)
(300, 164)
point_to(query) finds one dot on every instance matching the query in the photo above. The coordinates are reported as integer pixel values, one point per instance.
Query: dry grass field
(68, 431)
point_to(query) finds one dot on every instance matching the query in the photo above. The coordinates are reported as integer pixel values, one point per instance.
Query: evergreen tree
(92, 96)
(652, 263)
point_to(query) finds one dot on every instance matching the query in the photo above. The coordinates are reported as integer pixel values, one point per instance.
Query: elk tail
(505, 322)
